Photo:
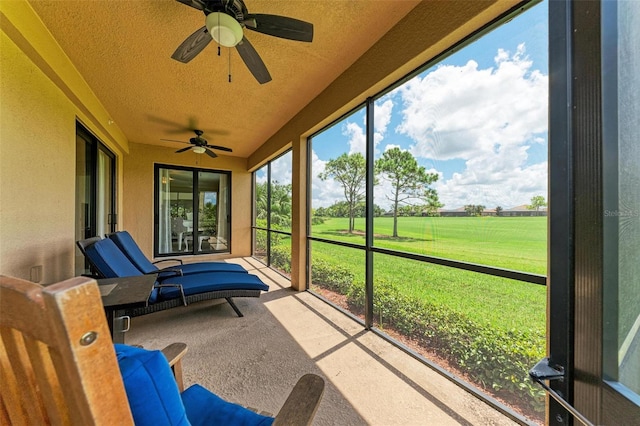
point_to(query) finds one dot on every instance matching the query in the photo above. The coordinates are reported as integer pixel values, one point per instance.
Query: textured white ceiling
(123, 50)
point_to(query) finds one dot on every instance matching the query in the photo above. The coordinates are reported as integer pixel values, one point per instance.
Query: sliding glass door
(95, 191)
(192, 211)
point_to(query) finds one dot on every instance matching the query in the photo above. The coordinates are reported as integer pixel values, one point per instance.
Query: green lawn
(518, 243)
(498, 302)
(513, 243)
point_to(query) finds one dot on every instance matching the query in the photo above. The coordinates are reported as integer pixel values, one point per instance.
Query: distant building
(459, 212)
(521, 210)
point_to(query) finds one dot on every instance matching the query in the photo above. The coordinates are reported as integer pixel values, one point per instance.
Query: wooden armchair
(58, 364)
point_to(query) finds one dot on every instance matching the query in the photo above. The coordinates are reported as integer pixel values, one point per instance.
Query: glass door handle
(542, 372)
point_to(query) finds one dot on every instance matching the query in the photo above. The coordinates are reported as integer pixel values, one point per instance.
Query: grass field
(513, 243)
(498, 302)
(518, 243)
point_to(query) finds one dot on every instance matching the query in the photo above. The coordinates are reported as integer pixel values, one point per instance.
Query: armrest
(302, 403)
(174, 353)
(168, 260)
(160, 286)
(167, 273)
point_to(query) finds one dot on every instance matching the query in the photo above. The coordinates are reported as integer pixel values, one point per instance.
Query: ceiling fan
(200, 145)
(224, 23)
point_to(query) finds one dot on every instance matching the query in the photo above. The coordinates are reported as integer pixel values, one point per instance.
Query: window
(95, 191)
(192, 211)
(338, 212)
(428, 217)
(272, 213)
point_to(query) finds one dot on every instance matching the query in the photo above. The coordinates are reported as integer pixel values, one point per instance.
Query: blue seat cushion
(199, 267)
(110, 261)
(206, 282)
(130, 248)
(206, 408)
(154, 398)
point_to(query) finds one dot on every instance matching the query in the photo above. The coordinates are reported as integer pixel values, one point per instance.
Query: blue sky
(478, 119)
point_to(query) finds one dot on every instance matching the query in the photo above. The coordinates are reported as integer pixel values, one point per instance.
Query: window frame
(268, 229)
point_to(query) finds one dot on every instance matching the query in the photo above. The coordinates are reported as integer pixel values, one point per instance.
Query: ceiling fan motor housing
(233, 8)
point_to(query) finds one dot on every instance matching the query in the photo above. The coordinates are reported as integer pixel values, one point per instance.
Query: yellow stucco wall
(41, 98)
(37, 163)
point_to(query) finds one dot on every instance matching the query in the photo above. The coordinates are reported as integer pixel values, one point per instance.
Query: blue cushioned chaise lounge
(172, 288)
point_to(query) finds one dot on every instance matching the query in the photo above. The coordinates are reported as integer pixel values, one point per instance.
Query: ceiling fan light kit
(224, 29)
(225, 21)
(199, 145)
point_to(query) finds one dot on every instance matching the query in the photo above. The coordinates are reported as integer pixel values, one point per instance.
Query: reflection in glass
(213, 212)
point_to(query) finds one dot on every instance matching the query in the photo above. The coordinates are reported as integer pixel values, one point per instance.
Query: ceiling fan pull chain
(229, 65)
(218, 35)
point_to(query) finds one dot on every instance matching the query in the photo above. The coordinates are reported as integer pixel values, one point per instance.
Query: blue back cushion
(152, 391)
(110, 261)
(130, 248)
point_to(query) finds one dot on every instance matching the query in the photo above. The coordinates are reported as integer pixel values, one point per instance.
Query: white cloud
(356, 133)
(382, 115)
(357, 137)
(486, 117)
(324, 193)
(281, 169)
(463, 111)
(507, 188)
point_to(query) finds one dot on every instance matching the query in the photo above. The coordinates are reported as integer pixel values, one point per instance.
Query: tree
(537, 201)
(474, 210)
(409, 181)
(280, 205)
(499, 211)
(350, 170)
(276, 199)
(262, 201)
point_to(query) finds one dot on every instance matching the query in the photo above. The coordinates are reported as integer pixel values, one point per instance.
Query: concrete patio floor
(255, 360)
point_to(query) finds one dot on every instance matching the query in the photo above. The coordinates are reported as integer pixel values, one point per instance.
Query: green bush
(317, 220)
(261, 236)
(332, 277)
(281, 259)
